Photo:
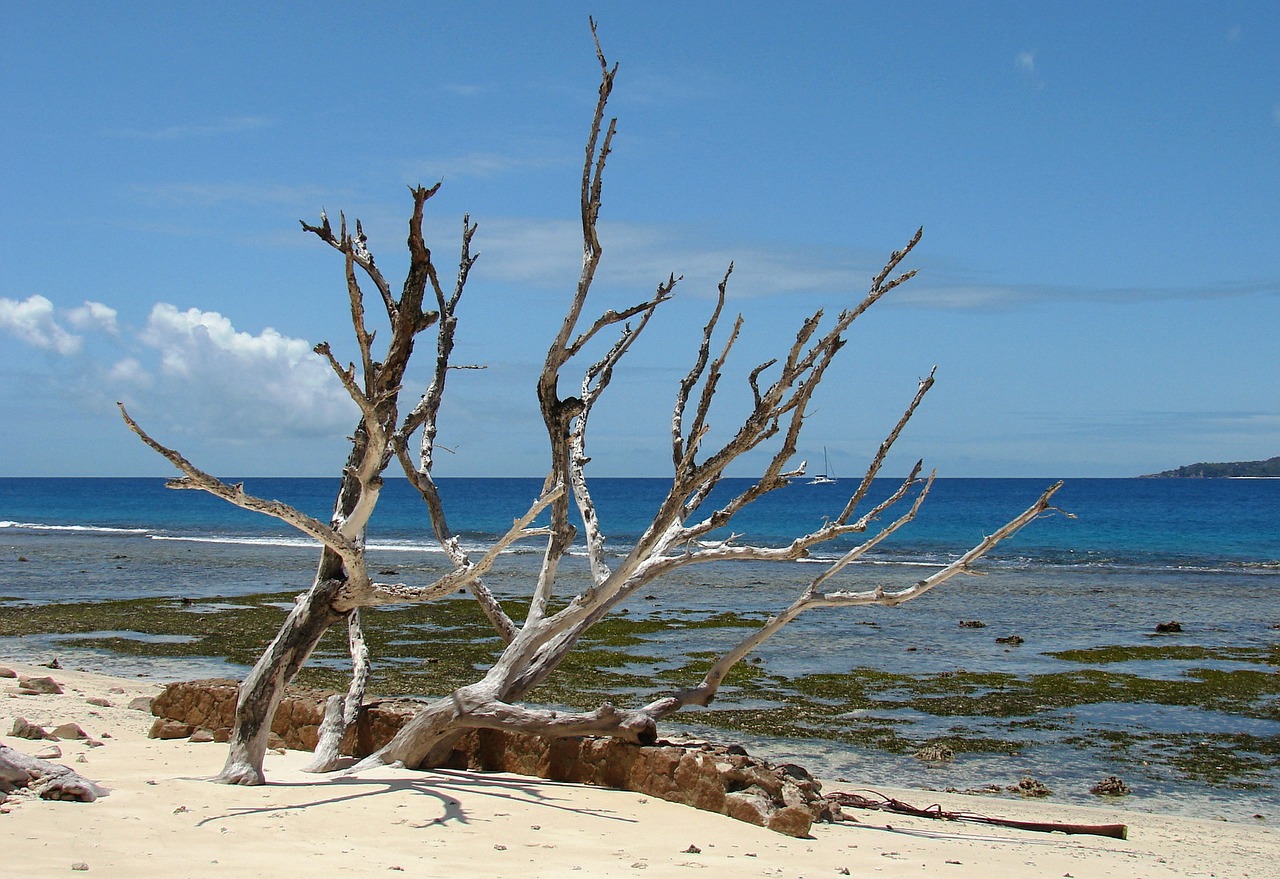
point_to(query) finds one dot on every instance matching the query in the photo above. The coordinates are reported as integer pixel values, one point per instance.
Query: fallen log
(889, 804)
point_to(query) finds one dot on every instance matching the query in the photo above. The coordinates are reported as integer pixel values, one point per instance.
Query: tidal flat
(1189, 723)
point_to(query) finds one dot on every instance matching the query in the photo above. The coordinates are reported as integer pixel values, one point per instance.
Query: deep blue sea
(1137, 552)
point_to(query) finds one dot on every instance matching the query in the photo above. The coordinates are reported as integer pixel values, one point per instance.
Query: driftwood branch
(777, 398)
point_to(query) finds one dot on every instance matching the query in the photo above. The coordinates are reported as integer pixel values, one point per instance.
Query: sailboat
(824, 478)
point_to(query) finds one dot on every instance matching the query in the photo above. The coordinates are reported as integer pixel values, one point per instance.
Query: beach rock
(99, 701)
(24, 729)
(972, 624)
(935, 752)
(1110, 787)
(69, 731)
(46, 686)
(53, 752)
(716, 778)
(202, 735)
(7, 672)
(1171, 627)
(1030, 787)
(141, 703)
(169, 729)
(1015, 640)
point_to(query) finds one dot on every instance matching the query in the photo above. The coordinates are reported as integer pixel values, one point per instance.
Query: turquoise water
(1137, 552)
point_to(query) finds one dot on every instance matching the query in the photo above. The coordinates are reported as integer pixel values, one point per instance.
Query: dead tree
(683, 531)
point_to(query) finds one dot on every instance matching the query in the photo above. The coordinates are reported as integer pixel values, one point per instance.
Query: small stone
(1110, 787)
(1169, 628)
(935, 752)
(1031, 787)
(81, 758)
(499, 847)
(201, 736)
(180, 810)
(44, 686)
(7, 672)
(80, 866)
(691, 850)
(52, 663)
(69, 731)
(1014, 640)
(169, 729)
(51, 753)
(24, 729)
(141, 703)
(116, 691)
(972, 624)
(99, 701)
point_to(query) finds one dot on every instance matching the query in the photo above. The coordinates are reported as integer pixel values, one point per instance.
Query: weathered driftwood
(684, 531)
(714, 778)
(50, 781)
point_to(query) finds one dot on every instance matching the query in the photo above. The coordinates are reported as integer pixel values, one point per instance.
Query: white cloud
(94, 315)
(32, 320)
(548, 254)
(1026, 61)
(239, 384)
(129, 372)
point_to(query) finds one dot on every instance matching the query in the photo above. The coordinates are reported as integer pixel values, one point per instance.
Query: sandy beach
(162, 820)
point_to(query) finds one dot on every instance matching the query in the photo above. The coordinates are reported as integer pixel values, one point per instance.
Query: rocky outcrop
(715, 778)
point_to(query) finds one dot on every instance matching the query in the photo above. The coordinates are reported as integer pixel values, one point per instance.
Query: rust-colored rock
(169, 729)
(711, 777)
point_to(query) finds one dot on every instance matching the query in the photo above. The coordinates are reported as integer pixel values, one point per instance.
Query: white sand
(161, 820)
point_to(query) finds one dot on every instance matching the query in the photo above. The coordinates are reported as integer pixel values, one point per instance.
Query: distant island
(1239, 469)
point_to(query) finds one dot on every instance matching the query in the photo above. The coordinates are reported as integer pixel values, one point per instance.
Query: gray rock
(7, 672)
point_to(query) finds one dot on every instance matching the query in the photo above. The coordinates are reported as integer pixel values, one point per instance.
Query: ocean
(1048, 665)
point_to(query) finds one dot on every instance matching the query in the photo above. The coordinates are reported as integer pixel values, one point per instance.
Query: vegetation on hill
(1269, 467)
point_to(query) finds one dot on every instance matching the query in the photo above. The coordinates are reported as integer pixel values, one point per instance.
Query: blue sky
(1099, 185)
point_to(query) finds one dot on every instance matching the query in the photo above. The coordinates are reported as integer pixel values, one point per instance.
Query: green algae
(428, 650)
(1269, 655)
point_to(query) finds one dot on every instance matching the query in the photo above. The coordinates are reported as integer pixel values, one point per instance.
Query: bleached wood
(779, 393)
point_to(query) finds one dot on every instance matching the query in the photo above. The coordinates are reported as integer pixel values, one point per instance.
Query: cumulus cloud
(32, 320)
(94, 315)
(238, 382)
(1026, 61)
